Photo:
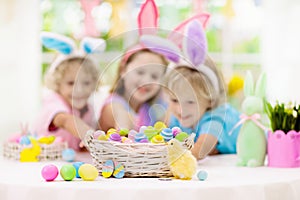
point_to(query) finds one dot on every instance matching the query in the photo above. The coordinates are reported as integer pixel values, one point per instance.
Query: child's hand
(81, 144)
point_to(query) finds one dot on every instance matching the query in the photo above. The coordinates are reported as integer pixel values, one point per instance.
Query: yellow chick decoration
(182, 163)
(30, 154)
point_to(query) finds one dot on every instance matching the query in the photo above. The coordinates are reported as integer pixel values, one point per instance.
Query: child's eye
(140, 72)
(190, 102)
(154, 77)
(70, 83)
(174, 100)
(86, 83)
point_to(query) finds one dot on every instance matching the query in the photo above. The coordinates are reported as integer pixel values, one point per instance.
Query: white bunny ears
(67, 47)
(193, 46)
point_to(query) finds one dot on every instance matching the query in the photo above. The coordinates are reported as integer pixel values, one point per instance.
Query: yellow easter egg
(88, 172)
(111, 131)
(159, 125)
(102, 137)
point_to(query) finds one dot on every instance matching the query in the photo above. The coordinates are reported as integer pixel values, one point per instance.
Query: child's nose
(78, 88)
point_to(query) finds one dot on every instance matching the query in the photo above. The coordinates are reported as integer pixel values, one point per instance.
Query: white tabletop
(225, 181)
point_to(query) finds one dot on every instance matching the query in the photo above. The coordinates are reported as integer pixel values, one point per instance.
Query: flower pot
(283, 149)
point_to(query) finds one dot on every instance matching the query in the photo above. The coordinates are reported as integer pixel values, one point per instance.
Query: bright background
(256, 35)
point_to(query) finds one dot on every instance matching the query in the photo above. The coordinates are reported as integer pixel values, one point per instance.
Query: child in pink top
(72, 78)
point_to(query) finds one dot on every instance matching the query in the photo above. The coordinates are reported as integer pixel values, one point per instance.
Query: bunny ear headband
(187, 41)
(148, 25)
(67, 47)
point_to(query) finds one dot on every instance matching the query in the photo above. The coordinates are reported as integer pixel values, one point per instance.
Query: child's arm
(205, 145)
(115, 116)
(72, 124)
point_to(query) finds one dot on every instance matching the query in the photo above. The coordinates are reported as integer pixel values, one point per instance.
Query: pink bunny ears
(67, 47)
(148, 25)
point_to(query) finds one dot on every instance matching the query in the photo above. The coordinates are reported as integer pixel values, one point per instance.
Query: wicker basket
(53, 151)
(139, 159)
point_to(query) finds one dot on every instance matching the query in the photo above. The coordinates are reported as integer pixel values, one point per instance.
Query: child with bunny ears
(196, 92)
(71, 78)
(135, 96)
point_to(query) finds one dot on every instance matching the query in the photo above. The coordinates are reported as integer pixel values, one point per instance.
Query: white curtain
(281, 49)
(20, 61)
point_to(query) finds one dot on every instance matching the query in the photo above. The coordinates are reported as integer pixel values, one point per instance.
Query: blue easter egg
(119, 171)
(24, 140)
(77, 165)
(202, 175)
(108, 168)
(68, 155)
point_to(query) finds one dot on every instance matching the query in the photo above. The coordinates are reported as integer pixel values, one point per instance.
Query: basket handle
(88, 139)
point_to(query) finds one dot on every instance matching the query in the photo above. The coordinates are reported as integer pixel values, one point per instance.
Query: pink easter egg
(49, 172)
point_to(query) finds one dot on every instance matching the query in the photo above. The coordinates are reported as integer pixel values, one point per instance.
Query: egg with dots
(88, 172)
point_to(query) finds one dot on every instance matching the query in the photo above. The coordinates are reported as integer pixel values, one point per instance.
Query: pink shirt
(53, 104)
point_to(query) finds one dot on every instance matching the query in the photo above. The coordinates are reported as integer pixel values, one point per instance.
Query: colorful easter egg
(68, 172)
(111, 131)
(77, 165)
(24, 140)
(115, 137)
(49, 172)
(202, 175)
(131, 134)
(119, 170)
(167, 134)
(176, 130)
(68, 155)
(46, 139)
(97, 133)
(150, 132)
(159, 125)
(158, 139)
(108, 169)
(139, 136)
(145, 140)
(181, 136)
(142, 129)
(102, 137)
(88, 172)
(127, 141)
(123, 131)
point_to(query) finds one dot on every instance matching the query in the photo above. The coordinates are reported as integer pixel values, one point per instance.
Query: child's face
(142, 76)
(185, 105)
(76, 87)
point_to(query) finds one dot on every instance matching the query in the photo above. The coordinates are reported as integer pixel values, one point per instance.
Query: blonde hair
(118, 85)
(54, 78)
(199, 82)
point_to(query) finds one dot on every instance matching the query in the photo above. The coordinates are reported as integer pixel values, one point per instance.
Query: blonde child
(71, 78)
(197, 97)
(135, 98)
(135, 91)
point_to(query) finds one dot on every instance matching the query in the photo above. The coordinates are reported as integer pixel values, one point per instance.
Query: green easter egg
(68, 172)
(123, 131)
(150, 132)
(181, 136)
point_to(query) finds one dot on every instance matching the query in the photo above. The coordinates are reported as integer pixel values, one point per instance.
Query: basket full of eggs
(27, 147)
(143, 153)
